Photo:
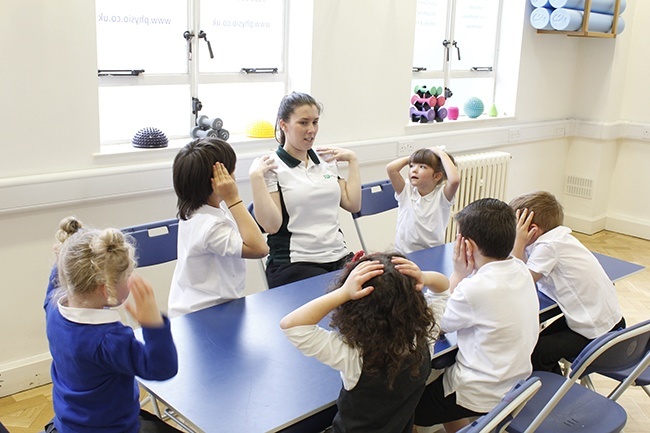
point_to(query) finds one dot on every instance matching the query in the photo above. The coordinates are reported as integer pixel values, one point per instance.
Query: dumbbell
(441, 114)
(416, 99)
(198, 132)
(429, 114)
(206, 123)
(422, 92)
(440, 101)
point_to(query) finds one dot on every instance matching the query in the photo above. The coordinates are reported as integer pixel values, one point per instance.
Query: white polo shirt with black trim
(310, 196)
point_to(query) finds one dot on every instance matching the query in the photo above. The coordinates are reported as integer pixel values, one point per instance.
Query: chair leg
(154, 405)
(586, 382)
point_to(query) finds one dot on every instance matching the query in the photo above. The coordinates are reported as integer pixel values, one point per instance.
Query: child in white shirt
(384, 336)
(424, 204)
(494, 310)
(567, 272)
(215, 231)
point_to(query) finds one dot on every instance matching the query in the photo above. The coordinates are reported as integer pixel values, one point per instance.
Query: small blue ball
(473, 107)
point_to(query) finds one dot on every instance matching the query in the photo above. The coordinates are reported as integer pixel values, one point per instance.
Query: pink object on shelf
(452, 113)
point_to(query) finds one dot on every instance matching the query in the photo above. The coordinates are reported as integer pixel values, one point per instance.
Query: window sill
(463, 122)
(126, 152)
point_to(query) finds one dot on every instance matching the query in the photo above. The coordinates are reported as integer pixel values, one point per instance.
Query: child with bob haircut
(425, 204)
(215, 231)
(95, 358)
(567, 272)
(494, 310)
(382, 343)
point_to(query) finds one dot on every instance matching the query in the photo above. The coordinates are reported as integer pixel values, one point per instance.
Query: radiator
(481, 175)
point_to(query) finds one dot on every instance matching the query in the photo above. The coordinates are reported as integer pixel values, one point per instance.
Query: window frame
(194, 78)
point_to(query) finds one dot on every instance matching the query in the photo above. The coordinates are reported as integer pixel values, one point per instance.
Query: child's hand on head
(526, 230)
(463, 257)
(409, 269)
(145, 310)
(365, 271)
(223, 184)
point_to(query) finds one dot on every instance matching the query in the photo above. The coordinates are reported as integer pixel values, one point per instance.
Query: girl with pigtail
(95, 357)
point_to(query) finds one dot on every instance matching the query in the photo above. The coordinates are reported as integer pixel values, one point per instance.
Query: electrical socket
(514, 135)
(405, 148)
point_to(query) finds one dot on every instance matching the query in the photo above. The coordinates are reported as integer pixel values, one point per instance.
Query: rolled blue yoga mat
(540, 3)
(570, 20)
(540, 18)
(600, 6)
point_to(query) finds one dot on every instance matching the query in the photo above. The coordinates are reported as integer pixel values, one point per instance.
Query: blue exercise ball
(473, 107)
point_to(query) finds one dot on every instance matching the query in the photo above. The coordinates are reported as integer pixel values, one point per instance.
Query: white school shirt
(210, 269)
(421, 220)
(495, 314)
(311, 196)
(574, 279)
(329, 348)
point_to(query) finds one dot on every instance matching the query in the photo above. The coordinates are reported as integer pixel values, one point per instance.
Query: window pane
(240, 104)
(142, 34)
(243, 34)
(125, 110)
(430, 29)
(475, 33)
(465, 88)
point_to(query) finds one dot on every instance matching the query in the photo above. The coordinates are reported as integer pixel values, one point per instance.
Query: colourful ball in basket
(260, 129)
(473, 107)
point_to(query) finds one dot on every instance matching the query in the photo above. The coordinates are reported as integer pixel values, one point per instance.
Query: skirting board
(25, 374)
(614, 223)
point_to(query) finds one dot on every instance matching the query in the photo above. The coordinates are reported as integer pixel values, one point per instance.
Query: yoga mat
(540, 18)
(600, 6)
(570, 20)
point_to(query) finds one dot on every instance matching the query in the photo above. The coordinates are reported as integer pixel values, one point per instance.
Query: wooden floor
(28, 411)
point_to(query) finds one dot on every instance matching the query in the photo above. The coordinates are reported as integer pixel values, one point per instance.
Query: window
(155, 56)
(456, 46)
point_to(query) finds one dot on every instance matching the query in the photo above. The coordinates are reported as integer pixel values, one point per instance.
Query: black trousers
(558, 341)
(278, 275)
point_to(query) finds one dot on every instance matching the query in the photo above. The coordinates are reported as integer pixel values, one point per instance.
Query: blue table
(239, 373)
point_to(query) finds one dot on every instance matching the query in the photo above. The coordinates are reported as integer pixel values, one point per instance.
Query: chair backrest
(500, 417)
(376, 197)
(626, 350)
(155, 242)
(614, 350)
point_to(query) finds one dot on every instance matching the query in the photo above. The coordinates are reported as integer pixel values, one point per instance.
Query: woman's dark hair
(193, 171)
(390, 324)
(288, 106)
(426, 156)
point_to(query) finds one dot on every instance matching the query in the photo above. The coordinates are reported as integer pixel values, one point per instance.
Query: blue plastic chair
(623, 375)
(562, 405)
(155, 242)
(376, 197)
(500, 417)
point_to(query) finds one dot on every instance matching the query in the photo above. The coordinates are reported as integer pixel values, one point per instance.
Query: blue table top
(238, 372)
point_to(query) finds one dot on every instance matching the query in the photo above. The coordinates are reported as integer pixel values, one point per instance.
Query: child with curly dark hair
(382, 345)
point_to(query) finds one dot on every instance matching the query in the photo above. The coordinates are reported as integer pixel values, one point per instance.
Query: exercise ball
(473, 107)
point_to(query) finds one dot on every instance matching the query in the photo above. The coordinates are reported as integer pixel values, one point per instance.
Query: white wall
(362, 52)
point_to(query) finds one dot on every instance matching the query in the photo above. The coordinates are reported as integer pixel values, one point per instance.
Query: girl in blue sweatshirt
(95, 357)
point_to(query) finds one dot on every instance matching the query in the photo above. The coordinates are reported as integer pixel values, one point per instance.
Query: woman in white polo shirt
(297, 193)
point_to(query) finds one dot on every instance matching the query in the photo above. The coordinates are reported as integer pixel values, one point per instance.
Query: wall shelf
(583, 32)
